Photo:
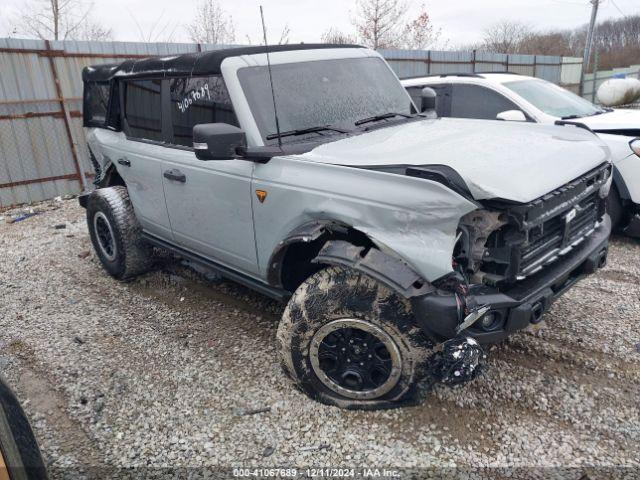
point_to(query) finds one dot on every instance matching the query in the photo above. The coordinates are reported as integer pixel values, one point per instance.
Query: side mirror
(512, 116)
(428, 99)
(218, 141)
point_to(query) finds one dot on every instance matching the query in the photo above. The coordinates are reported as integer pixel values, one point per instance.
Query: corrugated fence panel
(30, 124)
(415, 63)
(451, 62)
(408, 63)
(522, 64)
(490, 62)
(548, 68)
(571, 71)
(35, 146)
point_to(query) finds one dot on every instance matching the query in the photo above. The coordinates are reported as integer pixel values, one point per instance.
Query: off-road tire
(339, 293)
(131, 255)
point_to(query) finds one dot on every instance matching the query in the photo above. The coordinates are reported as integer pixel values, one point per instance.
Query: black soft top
(202, 63)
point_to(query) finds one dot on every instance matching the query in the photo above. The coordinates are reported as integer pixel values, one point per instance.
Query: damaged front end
(511, 260)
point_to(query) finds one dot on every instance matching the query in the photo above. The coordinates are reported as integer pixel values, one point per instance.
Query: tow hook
(457, 361)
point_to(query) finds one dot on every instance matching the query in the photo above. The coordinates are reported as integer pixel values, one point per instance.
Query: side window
(96, 103)
(196, 100)
(143, 108)
(472, 101)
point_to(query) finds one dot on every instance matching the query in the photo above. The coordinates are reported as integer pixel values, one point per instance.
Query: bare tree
(284, 35)
(506, 37)
(337, 37)
(379, 22)
(617, 41)
(420, 33)
(211, 24)
(61, 20)
(160, 30)
(384, 24)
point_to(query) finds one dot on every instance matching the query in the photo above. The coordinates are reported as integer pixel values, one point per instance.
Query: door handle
(125, 162)
(176, 175)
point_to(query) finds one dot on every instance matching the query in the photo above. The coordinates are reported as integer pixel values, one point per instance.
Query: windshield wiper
(604, 110)
(571, 117)
(302, 131)
(383, 116)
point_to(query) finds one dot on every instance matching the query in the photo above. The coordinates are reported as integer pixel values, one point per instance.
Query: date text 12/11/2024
(325, 472)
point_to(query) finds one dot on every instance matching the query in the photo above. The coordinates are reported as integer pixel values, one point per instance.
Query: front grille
(550, 238)
(539, 232)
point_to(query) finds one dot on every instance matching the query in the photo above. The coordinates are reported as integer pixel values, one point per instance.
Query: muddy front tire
(116, 234)
(347, 340)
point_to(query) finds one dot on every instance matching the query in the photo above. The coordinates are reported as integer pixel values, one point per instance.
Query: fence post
(67, 119)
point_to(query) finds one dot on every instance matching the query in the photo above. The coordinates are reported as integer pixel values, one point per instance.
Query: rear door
(138, 157)
(209, 202)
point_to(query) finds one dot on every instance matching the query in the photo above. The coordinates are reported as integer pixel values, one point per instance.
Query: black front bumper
(521, 305)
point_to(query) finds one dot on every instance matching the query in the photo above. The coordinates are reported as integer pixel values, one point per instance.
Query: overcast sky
(461, 21)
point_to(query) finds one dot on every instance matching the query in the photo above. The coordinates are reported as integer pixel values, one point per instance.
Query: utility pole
(592, 26)
(586, 59)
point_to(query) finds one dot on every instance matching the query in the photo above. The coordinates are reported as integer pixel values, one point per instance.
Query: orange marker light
(261, 194)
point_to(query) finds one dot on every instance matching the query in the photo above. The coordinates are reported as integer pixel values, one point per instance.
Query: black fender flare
(389, 270)
(306, 233)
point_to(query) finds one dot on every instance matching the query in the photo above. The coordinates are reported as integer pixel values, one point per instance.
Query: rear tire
(349, 341)
(116, 234)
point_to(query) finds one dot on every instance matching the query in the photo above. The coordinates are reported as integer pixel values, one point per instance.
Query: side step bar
(271, 292)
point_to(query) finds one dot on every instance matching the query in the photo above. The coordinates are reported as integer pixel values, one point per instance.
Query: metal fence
(415, 63)
(43, 152)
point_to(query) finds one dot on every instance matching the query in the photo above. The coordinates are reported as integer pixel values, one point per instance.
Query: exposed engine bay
(507, 242)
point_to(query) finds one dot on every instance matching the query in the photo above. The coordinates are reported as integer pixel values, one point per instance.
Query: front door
(209, 202)
(209, 205)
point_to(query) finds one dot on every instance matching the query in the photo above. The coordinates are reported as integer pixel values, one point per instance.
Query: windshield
(553, 100)
(324, 92)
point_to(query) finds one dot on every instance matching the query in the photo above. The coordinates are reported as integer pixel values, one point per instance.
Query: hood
(619, 119)
(507, 160)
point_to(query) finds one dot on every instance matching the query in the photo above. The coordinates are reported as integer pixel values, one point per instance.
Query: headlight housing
(635, 146)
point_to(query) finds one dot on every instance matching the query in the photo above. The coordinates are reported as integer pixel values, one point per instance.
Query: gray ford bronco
(401, 242)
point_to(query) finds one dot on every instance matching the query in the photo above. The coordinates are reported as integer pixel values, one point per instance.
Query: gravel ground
(168, 370)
